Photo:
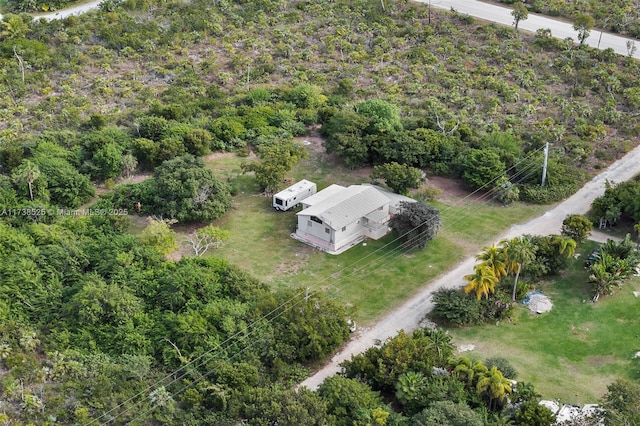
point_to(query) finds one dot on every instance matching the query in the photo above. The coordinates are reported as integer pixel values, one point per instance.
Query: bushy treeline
(373, 133)
(200, 72)
(90, 317)
(413, 379)
(620, 202)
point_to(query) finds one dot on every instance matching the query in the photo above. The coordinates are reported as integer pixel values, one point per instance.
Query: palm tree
(410, 387)
(520, 252)
(494, 385)
(440, 342)
(496, 258)
(607, 272)
(469, 369)
(566, 246)
(13, 27)
(482, 281)
(28, 172)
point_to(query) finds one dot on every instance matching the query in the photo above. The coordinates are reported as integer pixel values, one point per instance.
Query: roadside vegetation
(618, 16)
(129, 129)
(573, 352)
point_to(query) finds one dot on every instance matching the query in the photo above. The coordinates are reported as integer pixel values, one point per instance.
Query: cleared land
(371, 279)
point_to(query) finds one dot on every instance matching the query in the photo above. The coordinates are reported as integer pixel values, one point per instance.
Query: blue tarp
(528, 296)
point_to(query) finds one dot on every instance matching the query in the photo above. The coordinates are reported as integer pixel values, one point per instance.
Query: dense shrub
(547, 194)
(454, 307)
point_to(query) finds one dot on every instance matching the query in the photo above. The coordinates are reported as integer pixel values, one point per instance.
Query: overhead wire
(303, 295)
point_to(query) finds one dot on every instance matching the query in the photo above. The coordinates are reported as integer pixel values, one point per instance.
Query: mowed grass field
(574, 351)
(370, 279)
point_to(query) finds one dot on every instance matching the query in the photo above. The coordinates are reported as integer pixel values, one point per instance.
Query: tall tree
(415, 224)
(495, 257)
(440, 342)
(583, 25)
(519, 13)
(399, 177)
(208, 237)
(187, 191)
(520, 252)
(27, 172)
(576, 226)
(621, 403)
(448, 413)
(468, 369)
(383, 116)
(276, 161)
(159, 234)
(495, 386)
(565, 246)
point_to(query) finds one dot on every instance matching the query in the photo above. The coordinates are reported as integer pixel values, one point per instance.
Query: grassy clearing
(573, 352)
(477, 224)
(371, 278)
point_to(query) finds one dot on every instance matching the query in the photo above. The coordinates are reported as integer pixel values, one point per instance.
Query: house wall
(333, 240)
(317, 230)
(375, 231)
(351, 232)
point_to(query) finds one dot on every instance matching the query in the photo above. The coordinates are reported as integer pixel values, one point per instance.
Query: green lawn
(371, 278)
(573, 352)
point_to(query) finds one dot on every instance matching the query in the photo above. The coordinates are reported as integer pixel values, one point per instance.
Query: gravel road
(407, 316)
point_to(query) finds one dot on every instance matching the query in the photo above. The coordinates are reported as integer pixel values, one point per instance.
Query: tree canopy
(415, 224)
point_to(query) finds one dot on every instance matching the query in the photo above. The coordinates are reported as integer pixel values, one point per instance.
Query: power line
(403, 248)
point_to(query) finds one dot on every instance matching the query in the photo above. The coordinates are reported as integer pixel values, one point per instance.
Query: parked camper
(290, 197)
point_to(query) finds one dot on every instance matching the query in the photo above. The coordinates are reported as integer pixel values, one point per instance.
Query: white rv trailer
(290, 197)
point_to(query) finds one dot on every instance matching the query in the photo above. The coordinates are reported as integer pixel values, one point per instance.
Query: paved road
(78, 9)
(489, 12)
(411, 313)
(559, 29)
(73, 10)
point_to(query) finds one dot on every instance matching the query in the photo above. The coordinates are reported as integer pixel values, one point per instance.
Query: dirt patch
(293, 265)
(570, 367)
(219, 154)
(136, 178)
(453, 190)
(599, 360)
(314, 143)
(580, 332)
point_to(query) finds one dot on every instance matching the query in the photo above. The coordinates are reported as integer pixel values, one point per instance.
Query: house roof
(347, 205)
(323, 195)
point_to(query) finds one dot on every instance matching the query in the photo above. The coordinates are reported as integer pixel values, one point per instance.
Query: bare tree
(20, 62)
(206, 238)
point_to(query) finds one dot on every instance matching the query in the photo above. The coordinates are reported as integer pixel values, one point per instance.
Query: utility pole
(544, 163)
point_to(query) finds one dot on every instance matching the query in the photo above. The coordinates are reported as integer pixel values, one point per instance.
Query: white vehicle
(291, 197)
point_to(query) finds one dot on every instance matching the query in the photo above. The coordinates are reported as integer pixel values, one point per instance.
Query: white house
(337, 218)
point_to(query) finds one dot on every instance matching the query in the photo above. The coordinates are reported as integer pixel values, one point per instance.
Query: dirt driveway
(408, 316)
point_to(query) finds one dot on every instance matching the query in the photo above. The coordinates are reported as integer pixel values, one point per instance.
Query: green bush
(547, 194)
(455, 307)
(504, 366)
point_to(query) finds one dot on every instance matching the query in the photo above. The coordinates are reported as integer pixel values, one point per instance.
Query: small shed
(292, 196)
